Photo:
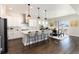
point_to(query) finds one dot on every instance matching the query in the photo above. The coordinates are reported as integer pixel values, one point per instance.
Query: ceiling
(75, 7)
(53, 10)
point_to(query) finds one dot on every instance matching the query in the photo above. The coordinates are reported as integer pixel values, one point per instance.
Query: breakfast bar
(34, 36)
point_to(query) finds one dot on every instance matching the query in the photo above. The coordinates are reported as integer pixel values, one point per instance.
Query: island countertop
(26, 31)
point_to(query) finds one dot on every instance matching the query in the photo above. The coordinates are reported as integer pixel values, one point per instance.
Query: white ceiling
(75, 7)
(53, 10)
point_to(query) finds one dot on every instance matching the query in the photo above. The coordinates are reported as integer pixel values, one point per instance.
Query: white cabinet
(14, 34)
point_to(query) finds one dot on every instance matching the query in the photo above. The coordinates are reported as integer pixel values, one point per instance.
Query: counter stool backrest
(36, 33)
(31, 33)
(39, 32)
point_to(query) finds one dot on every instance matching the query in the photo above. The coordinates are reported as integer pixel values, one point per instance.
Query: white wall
(2, 10)
(14, 19)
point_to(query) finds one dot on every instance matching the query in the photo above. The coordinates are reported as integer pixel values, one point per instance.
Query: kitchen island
(35, 36)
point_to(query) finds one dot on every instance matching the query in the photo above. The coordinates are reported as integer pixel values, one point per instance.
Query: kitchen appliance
(3, 35)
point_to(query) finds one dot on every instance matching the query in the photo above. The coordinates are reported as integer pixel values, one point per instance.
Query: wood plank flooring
(68, 45)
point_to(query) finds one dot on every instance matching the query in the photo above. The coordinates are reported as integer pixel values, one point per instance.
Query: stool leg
(37, 39)
(29, 42)
(41, 36)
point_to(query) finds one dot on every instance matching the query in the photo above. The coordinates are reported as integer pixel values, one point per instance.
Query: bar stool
(36, 36)
(39, 36)
(42, 35)
(31, 38)
(45, 34)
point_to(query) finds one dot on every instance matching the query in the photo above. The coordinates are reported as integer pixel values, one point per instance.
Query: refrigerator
(3, 36)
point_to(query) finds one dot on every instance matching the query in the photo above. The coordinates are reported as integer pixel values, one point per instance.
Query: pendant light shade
(38, 13)
(28, 16)
(45, 15)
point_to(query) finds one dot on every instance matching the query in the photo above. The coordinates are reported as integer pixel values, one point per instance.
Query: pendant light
(45, 15)
(28, 16)
(38, 13)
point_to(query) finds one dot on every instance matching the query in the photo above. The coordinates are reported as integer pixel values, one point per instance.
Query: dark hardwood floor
(68, 45)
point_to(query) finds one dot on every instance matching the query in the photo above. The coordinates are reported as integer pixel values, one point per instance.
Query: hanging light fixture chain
(28, 9)
(38, 13)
